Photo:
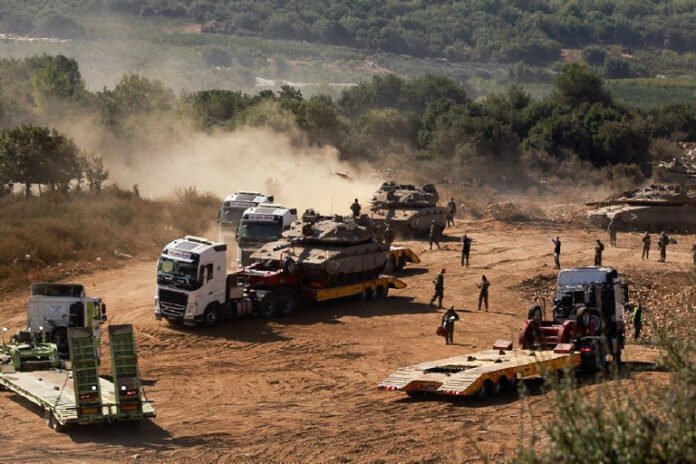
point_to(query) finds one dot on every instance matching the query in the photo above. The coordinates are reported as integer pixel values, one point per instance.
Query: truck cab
(54, 308)
(191, 280)
(234, 206)
(260, 225)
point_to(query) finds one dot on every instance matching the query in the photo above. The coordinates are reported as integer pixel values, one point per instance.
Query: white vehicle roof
(184, 248)
(276, 210)
(583, 275)
(248, 197)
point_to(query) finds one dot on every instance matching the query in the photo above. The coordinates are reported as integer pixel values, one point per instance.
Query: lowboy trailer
(78, 396)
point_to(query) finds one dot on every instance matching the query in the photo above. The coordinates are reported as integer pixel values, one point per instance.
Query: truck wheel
(268, 306)
(211, 316)
(287, 304)
(54, 424)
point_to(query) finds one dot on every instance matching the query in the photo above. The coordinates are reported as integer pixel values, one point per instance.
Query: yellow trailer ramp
(482, 373)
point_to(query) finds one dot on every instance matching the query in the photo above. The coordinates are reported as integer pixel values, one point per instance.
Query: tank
(656, 208)
(327, 251)
(409, 209)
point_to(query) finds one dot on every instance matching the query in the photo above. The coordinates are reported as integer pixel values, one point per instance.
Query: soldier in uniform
(483, 293)
(448, 320)
(466, 249)
(662, 243)
(355, 208)
(646, 246)
(612, 232)
(451, 212)
(598, 249)
(556, 252)
(388, 235)
(434, 235)
(439, 282)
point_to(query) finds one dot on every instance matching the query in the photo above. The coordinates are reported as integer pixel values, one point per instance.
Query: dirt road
(303, 389)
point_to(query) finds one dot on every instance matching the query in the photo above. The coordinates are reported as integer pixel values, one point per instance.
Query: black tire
(382, 292)
(287, 304)
(400, 264)
(535, 313)
(268, 306)
(485, 390)
(507, 384)
(368, 294)
(211, 316)
(60, 338)
(54, 424)
(391, 264)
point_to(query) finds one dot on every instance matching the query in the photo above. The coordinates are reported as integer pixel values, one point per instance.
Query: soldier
(612, 232)
(483, 293)
(434, 235)
(637, 320)
(598, 249)
(448, 320)
(388, 234)
(556, 252)
(662, 243)
(451, 211)
(439, 282)
(355, 208)
(646, 246)
(466, 249)
(693, 252)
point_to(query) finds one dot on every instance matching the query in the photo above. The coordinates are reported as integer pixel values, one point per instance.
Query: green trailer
(79, 396)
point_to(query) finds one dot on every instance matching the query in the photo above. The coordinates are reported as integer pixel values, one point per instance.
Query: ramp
(85, 375)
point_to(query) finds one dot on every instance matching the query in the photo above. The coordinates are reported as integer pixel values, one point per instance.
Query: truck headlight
(191, 309)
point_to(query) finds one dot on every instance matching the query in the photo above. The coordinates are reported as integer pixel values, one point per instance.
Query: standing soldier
(598, 249)
(646, 246)
(355, 208)
(439, 282)
(388, 234)
(556, 252)
(451, 211)
(448, 320)
(612, 232)
(662, 243)
(637, 320)
(466, 249)
(483, 293)
(434, 235)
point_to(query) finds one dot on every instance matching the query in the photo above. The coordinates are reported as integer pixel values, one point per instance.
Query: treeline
(531, 31)
(389, 122)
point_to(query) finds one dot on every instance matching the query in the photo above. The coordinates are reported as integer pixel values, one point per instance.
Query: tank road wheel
(211, 316)
(287, 303)
(268, 306)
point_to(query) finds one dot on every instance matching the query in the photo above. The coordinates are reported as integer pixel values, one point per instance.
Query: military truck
(54, 308)
(410, 210)
(193, 287)
(234, 206)
(259, 225)
(656, 208)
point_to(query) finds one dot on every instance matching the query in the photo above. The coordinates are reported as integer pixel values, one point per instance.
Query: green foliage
(594, 56)
(579, 84)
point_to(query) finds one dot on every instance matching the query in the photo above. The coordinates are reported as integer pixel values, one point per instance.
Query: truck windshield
(260, 231)
(178, 271)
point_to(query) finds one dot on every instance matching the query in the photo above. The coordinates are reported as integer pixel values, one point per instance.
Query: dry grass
(44, 237)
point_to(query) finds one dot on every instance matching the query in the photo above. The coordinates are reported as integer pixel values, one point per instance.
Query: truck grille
(171, 303)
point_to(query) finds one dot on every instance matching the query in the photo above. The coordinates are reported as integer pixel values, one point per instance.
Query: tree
(577, 83)
(38, 155)
(95, 173)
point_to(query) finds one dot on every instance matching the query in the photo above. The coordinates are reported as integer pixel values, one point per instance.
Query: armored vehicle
(409, 209)
(327, 251)
(657, 208)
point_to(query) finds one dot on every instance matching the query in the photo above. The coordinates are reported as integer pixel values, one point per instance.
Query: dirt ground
(303, 389)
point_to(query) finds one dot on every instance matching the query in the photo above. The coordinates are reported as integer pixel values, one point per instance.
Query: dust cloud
(250, 159)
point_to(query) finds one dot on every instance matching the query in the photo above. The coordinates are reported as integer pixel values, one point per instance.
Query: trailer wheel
(268, 306)
(287, 303)
(485, 390)
(391, 264)
(367, 294)
(535, 313)
(54, 424)
(400, 264)
(211, 316)
(382, 291)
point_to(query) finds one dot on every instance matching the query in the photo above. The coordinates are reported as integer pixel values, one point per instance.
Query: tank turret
(409, 209)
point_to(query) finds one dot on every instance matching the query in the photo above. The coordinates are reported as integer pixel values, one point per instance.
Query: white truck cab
(191, 280)
(260, 225)
(53, 308)
(234, 206)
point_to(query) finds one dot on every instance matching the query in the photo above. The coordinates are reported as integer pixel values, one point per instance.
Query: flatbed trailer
(79, 396)
(487, 372)
(398, 256)
(374, 288)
